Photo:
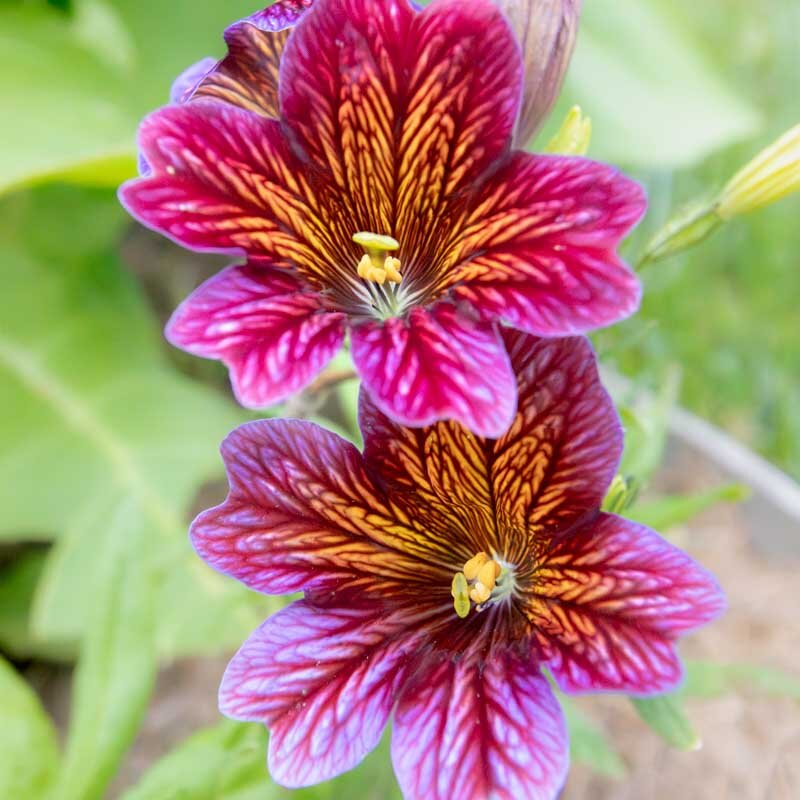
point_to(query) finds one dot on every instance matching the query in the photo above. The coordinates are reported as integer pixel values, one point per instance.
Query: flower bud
(574, 135)
(621, 494)
(773, 174)
(545, 30)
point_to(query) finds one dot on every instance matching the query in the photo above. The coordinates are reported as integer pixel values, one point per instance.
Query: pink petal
(549, 470)
(611, 599)
(223, 179)
(560, 454)
(248, 75)
(474, 732)
(274, 337)
(438, 363)
(324, 682)
(405, 108)
(538, 246)
(303, 513)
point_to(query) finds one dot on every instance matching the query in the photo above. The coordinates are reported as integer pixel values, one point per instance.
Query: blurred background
(108, 437)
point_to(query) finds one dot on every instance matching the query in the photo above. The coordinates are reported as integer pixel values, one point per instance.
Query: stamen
(483, 579)
(376, 265)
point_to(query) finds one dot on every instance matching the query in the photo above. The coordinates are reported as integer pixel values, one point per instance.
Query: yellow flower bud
(573, 136)
(773, 174)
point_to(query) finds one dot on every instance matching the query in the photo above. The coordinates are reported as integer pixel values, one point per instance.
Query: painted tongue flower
(441, 572)
(384, 200)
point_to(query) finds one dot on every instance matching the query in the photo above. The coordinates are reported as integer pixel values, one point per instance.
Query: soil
(751, 742)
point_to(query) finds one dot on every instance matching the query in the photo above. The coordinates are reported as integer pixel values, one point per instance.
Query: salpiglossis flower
(442, 571)
(393, 125)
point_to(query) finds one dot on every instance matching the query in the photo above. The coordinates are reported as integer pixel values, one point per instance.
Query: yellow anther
(473, 566)
(375, 264)
(488, 573)
(479, 593)
(460, 592)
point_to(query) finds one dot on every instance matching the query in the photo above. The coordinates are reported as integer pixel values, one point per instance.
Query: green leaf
(117, 666)
(18, 581)
(645, 418)
(96, 419)
(653, 98)
(587, 744)
(27, 740)
(79, 83)
(665, 715)
(227, 761)
(706, 679)
(678, 509)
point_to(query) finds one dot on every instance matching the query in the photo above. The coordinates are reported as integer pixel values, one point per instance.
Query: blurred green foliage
(726, 311)
(106, 441)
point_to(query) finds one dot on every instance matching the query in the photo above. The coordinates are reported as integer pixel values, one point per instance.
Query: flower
(394, 127)
(441, 572)
(546, 31)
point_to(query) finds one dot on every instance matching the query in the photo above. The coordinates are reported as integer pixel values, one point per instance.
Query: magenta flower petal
(274, 337)
(248, 75)
(217, 182)
(439, 363)
(613, 598)
(304, 513)
(538, 247)
(184, 85)
(324, 681)
(545, 474)
(493, 732)
(403, 107)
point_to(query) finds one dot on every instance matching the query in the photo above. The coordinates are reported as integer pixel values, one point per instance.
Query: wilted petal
(538, 248)
(405, 108)
(224, 179)
(608, 602)
(546, 31)
(303, 513)
(274, 336)
(492, 732)
(437, 364)
(324, 681)
(248, 76)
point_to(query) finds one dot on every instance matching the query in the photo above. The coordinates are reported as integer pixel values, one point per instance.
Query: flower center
(482, 581)
(375, 264)
(381, 273)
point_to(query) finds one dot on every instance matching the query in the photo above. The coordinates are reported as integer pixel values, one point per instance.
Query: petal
(438, 363)
(492, 732)
(248, 76)
(225, 180)
(274, 337)
(324, 682)
(304, 513)
(558, 458)
(547, 473)
(404, 108)
(185, 84)
(537, 247)
(609, 601)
